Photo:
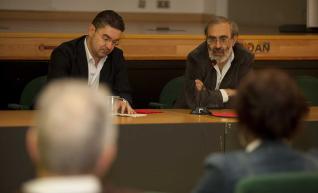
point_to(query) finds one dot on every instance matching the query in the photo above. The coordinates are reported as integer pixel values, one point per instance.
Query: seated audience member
(270, 110)
(95, 58)
(73, 140)
(215, 68)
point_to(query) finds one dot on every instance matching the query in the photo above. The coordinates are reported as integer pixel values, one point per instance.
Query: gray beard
(221, 59)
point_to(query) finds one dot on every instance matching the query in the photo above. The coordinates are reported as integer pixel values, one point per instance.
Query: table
(162, 152)
(168, 116)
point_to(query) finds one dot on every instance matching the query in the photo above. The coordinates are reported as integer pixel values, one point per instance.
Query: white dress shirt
(93, 70)
(253, 145)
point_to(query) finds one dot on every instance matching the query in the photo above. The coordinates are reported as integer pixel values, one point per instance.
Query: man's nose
(217, 43)
(109, 45)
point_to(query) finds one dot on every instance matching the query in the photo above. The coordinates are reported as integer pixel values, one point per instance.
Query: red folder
(146, 111)
(224, 114)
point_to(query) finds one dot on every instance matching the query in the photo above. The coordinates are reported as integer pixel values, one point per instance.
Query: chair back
(309, 87)
(30, 92)
(171, 91)
(294, 182)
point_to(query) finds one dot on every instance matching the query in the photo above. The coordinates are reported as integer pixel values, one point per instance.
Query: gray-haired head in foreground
(73, 126)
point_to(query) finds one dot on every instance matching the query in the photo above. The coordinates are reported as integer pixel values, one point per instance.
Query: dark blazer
(199, 67)
(69, 60)
(223, 171)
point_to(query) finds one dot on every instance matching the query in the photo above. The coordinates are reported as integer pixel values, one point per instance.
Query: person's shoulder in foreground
(264, 135)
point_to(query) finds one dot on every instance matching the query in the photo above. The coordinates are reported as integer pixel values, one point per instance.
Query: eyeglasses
(108, 39)
(212, 40)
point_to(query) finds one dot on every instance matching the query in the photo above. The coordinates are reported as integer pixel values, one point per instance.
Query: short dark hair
(220, 19)
(109, 17)
(270, 105)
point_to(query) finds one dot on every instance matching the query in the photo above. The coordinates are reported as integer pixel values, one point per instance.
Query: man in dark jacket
(96, 58)
(215, 68)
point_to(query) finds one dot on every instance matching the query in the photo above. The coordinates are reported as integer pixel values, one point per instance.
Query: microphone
(213, 62)
(199, 109)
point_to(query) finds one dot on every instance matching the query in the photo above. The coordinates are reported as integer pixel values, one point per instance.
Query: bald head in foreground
(73, 141)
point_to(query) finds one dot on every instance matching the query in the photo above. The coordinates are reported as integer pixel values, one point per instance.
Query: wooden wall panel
(38, 46)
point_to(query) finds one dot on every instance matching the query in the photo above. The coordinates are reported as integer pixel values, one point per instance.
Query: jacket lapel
(105, 73)
(82, 58)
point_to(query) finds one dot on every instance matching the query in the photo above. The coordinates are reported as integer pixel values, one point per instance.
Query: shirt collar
(253, 145)
(89, 57)
(64, 184)
(226, 66)
(229, 62)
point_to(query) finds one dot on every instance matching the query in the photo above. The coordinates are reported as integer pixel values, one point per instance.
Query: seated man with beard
(215, 68)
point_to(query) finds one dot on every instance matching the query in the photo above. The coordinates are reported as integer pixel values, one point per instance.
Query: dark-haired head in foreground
(270, 106)
(270, 109)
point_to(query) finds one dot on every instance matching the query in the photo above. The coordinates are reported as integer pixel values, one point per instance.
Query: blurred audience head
(270, 106)
(73, 132)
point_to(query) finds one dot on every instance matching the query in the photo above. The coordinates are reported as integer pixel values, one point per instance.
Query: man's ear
(91, 29)
(105, 160)
(32, 145)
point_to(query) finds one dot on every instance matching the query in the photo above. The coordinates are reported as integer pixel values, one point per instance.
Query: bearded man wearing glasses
(215, 68)
(95, 58)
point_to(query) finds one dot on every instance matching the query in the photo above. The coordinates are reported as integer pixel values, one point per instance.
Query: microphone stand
(199, 109)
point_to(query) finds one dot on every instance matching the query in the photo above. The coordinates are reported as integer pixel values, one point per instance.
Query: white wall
(217, 7)
(267, 13)
(209, 6)
(221, 7)
(25, 5)
(176, 6)
(244, 12)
